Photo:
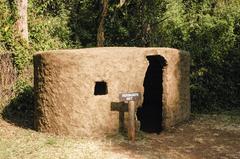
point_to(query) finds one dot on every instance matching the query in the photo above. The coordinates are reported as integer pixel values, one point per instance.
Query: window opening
(100, 88)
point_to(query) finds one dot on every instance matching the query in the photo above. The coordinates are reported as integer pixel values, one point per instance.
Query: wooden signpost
(131, 98)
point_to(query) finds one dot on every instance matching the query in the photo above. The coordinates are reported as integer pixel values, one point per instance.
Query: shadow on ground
(20, 109)
(203, 136)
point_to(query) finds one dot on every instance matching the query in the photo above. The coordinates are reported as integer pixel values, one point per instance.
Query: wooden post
(131, 124)
(131, 98)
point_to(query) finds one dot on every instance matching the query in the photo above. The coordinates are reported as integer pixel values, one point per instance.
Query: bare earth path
(204, 136)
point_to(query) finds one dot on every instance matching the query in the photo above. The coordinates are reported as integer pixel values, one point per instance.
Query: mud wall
(64, 82)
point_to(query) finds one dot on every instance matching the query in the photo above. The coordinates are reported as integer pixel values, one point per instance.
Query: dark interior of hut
(150, 114)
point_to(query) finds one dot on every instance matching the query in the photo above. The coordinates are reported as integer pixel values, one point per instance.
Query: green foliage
(212, 43)
(10, 41)
(5, 26)
(21, 86)
(46, 31)
(83, 21)
(136, 23)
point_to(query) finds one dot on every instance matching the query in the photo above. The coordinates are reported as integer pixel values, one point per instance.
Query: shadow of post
(20, 110)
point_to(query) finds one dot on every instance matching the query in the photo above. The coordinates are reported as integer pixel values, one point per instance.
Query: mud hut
(77, 91)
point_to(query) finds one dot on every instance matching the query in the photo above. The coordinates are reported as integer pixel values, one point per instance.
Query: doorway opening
(150, 114)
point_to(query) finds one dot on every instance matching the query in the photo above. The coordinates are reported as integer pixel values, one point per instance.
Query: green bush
(46, 31)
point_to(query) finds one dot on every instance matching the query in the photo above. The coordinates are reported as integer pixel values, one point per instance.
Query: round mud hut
(77, 91)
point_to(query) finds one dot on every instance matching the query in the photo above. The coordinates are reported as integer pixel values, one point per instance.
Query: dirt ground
(204, 136)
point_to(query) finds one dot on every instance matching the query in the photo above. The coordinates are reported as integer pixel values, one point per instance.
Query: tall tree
(100, 31)
(21, 24)
(121, 2)
(103, 13)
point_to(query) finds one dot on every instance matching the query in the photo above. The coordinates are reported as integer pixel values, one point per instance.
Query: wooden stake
(131, 124)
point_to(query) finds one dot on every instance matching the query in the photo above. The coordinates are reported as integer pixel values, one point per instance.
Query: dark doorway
(150, 114)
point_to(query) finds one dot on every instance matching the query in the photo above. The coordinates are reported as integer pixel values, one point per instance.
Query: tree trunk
(21, 24)
(121, 2)
(100, 32)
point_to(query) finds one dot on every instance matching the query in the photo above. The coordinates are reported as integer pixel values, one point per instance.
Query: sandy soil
(204, 136)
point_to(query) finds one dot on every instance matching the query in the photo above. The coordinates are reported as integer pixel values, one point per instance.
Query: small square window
(100, 88)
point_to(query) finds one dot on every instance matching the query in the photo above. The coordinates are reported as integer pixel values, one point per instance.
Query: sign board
(130, 96)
